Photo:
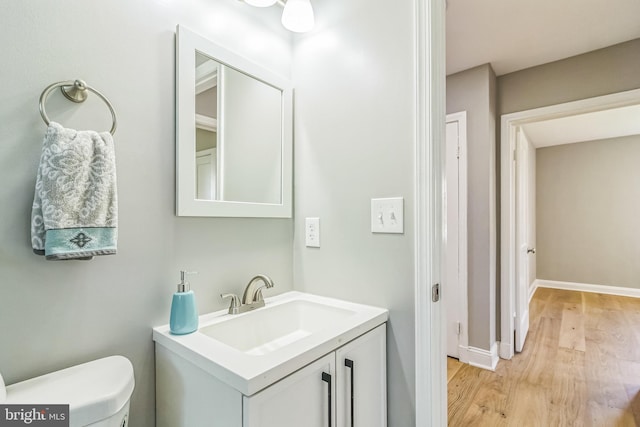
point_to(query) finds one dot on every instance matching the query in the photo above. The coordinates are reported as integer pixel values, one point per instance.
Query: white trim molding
(481, 358)
(206, 123)
(430, 81)
(506, 350)
(586, 287)
(463, 353)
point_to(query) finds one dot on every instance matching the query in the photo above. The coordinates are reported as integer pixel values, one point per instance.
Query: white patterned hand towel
(75, 210)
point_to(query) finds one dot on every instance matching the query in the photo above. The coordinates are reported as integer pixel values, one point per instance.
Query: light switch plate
(387, 215)
(312, 232)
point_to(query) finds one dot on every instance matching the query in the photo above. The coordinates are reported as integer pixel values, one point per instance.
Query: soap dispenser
(184, 314)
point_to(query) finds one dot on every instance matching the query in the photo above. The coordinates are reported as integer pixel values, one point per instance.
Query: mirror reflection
(239, 134)
(206, 127)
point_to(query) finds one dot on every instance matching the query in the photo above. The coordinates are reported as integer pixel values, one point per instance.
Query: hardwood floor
(580, 367)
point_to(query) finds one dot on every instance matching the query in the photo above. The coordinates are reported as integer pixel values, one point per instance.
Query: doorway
(517, 249)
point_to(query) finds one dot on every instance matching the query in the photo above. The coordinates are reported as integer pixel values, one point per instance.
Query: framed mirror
(233, 134)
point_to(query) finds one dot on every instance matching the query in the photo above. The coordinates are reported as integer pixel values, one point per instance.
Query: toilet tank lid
(94, 391)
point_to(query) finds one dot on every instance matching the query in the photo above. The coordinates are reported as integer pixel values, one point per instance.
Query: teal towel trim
(80, 243)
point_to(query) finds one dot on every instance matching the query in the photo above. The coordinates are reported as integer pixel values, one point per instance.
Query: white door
(361, 389)
(454, 289)
(525, 234)
(305, 398)
(206, 174)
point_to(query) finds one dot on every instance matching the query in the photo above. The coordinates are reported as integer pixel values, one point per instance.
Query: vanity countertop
(253, 350)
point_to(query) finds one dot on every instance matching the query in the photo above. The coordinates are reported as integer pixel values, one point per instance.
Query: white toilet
(97, 392)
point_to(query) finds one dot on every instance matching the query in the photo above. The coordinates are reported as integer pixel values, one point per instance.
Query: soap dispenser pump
(184, 314)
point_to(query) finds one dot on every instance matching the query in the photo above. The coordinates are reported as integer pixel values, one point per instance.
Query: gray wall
(473, 91)
(207, 102)
(56, 314)
(588, 201)
(601, 72)
(354, 131)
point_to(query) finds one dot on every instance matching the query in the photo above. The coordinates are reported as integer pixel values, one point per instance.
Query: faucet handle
(235, 302)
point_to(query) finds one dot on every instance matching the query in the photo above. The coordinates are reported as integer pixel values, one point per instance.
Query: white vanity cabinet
(346, 388)
(302, 360)
(301, 399)
(361, 368)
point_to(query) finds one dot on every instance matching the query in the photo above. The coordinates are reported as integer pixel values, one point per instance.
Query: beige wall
(588, 201)
(207, 102)
(473, 91)
(601, 72)
(205, 139)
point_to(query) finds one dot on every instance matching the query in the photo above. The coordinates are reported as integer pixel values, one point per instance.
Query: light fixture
(261, 3)
(298, 16)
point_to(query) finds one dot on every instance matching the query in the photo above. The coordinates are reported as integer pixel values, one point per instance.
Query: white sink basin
(252, 350)
(274, 327)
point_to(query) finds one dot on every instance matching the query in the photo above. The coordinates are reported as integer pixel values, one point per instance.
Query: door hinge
(458, 328)
(435, 292)
(458, 152)
(515, 156)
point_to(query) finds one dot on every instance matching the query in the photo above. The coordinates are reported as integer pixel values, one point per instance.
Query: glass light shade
(261, 3)
(298, 16)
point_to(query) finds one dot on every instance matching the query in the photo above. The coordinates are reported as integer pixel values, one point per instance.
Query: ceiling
(515, 34)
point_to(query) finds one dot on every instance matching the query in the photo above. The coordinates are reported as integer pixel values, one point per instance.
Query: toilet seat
(94, 391)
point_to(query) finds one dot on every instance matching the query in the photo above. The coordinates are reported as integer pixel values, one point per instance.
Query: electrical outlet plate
(387, 215)
(312, 232)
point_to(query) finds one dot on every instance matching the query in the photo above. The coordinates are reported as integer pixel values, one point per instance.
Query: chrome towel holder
(75, 91)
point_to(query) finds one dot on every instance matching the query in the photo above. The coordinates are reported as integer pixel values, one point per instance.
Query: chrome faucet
(253, 291)
(252, 297)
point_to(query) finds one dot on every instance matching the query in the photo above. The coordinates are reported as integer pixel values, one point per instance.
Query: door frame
(509, 125)
(463, 340)
(430, 81)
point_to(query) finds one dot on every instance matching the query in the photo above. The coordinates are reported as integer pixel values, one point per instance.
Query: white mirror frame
(187, 44)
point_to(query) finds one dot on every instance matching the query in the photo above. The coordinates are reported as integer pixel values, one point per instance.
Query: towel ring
(75, 91)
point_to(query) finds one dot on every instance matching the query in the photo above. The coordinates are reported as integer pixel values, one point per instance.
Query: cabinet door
(306, 398)
(361, 367)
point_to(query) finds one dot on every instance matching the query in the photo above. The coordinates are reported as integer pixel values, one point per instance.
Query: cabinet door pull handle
(327, 378)
(349, 364)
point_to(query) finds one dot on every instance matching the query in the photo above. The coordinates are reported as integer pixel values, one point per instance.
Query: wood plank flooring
(580, 367)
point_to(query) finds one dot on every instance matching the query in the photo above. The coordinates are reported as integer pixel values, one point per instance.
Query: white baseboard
(463, 354)
(484, 359)
(585, 287)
